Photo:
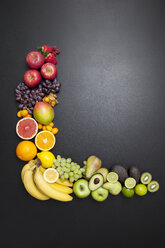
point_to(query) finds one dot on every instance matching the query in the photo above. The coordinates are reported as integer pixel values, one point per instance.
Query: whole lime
(140, 189)
(128, 192)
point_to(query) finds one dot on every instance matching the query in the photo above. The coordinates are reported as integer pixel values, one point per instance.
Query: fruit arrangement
(46, 176)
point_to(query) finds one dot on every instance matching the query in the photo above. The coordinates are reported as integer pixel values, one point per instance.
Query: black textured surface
(111, 104)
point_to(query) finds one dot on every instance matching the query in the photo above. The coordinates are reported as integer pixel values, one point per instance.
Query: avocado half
(96, 181)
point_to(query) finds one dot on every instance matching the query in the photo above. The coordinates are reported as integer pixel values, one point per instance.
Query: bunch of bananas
(36, 186)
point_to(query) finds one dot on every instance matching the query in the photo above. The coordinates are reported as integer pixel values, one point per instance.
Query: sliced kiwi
(153, 186)
(130, 183)
(112, 177)
(146, 178)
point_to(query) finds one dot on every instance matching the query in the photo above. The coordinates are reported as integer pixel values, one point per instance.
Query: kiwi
(146, 178)
(134, 172)
(121, 171)
(153, 186)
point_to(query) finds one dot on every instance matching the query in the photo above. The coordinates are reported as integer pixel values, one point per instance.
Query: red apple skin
(49, 71)
(35, 60)
(32, 78)
(43, 113)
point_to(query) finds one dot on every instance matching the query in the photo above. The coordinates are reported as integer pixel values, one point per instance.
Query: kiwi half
(153, 186)
(146, 178)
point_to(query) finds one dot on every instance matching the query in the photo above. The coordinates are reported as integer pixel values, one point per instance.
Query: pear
(104, 172)
(93, 164)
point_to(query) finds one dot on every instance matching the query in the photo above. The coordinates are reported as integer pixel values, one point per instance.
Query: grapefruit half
(27, 128)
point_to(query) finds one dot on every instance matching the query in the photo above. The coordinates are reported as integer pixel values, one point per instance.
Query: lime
(140, 189)
(112, 177)
(130, 183)
(128, 192)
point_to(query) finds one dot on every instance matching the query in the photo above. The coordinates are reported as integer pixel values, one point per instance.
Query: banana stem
(38, 162)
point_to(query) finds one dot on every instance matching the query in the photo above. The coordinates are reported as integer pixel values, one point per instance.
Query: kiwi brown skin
(121, 171)
(134, 172)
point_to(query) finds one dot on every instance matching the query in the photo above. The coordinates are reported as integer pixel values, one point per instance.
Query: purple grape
(30, 112)
(33, 102)
(57, 89)
(20, 106)
(42, 94)
(18, 98)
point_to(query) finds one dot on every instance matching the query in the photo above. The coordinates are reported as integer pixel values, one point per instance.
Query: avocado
(93, 164)
(134, 172)
(121, 171)
(104, 172)
(96, 181)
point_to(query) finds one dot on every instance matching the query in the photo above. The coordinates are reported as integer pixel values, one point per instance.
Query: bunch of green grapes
(68, 169)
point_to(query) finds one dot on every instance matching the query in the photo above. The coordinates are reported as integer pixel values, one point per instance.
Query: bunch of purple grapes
(27, 97)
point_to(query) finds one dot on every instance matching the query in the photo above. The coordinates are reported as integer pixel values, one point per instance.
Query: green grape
(63, 160)
(84, 162)
(57, 164)
(73, 167)
(76, 176)
(82, 169)
(53, 166)
(58, 157)
(80, 176)
(79, 172)
(61, 173)
(68, 165)
(63, 169)
(69, 160)
(66, 176)
(71, 179)
(62, 164)
(72, 163)
(71, 174)
(76, 171)
(54, 161)
(67, 170)
(59, 169)
(62, 178)
(78, 167)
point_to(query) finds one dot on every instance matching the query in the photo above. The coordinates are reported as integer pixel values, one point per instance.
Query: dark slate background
(111, 104)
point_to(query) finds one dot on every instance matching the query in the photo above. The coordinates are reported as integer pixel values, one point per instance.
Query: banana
(31, 187)
(61, 188)
(65, 183)
(47, 189)
(26, 167)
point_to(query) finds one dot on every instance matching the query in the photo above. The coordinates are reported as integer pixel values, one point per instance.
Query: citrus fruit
(46, 158)
(128, 192)
(140, 189)
(26, 150)
(45, 140)
(130, 183)
(112, 177)
(26, 128)
(51, 175)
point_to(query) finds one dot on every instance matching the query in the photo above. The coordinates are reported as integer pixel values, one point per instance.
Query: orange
(39, 126)
(45, 140)
(51, 124)
(49, 128)
(24, 112)
(19, 114)
(26, 150)
(55, 130)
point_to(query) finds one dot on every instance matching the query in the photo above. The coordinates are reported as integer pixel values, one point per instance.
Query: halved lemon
(45, 140)
(51, 175)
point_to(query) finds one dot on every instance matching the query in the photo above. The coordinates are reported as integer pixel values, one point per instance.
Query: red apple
(35, 59)
(49, 71)
(32, 78)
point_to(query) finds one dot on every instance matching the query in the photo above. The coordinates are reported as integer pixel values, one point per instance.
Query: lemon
(46, 158)
(51, 175)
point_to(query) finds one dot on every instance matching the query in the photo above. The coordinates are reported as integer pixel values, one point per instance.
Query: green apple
(100, 194)
(80, 188)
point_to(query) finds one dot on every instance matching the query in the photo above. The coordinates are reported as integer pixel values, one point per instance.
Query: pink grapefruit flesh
(27, 128)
